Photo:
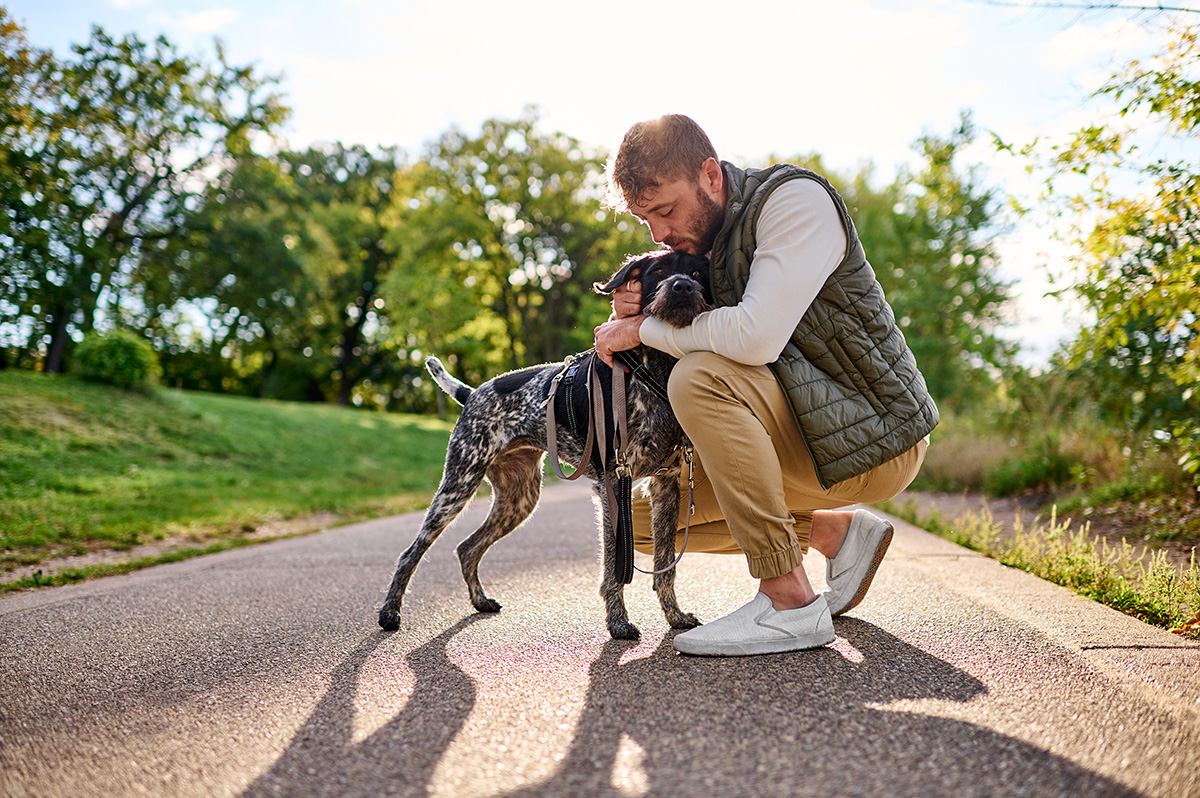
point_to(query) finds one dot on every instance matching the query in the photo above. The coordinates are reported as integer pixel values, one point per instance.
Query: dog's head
(675, 285)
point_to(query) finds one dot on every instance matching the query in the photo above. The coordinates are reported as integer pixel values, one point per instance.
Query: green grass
(1150, 588)
(84, 466)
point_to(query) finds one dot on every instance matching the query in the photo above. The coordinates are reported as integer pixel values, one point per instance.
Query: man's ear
(712, 178)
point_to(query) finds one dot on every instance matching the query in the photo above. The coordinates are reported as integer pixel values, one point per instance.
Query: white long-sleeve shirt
(800, 241)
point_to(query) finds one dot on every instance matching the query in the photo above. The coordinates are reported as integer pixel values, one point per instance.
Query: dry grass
(1147, 586)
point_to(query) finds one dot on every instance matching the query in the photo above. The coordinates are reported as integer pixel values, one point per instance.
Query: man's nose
(659, 231)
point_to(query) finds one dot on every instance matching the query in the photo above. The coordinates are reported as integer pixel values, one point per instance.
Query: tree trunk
(55, 362)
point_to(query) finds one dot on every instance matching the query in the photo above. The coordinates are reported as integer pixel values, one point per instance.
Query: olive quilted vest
(851, 379)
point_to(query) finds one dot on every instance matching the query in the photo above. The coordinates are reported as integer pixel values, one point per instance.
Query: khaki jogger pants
(755, 484)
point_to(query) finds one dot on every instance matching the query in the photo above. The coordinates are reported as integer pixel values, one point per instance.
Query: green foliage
(1136, 212)
(329, 273)
(118, 358)
(1040, 466)
(501, 239)
(284, 258)
(124, 134)
(1188, 435)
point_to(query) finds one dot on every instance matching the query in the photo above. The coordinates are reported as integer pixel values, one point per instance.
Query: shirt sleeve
(800, 241)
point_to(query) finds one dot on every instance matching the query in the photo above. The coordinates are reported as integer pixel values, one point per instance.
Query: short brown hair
(672, 147)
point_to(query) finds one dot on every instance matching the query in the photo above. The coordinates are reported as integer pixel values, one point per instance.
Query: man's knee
(694, 370)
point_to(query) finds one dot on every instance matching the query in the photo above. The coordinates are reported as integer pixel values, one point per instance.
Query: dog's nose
(683, 286)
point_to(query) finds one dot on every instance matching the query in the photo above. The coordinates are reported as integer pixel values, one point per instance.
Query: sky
(856, 81)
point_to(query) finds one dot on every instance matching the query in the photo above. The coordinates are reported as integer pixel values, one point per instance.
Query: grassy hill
(86, 467)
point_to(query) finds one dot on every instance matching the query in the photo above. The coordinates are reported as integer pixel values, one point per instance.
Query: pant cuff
(777, 563)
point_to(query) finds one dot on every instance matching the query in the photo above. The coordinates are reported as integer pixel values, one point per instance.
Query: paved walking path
(262, 672)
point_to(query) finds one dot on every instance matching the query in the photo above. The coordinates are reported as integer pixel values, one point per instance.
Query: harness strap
(552, 430)
(642, 374)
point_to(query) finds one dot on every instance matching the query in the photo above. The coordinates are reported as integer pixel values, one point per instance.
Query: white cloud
(127, 5)
(209, 21)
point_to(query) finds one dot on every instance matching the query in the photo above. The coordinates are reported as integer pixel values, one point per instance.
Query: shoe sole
(865, 584)
(713, 649)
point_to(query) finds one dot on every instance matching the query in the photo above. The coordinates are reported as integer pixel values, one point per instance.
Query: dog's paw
(623, 630)
(486, 604)
(683, 620)
(389, 620)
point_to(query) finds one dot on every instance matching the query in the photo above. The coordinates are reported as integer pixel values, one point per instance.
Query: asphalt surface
(262, 672)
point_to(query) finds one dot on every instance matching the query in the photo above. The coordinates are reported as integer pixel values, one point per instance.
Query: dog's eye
(696, 275)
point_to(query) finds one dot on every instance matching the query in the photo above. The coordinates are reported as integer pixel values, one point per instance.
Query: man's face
(684, 215)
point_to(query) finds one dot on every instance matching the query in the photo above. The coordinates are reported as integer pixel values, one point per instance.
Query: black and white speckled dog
(501, 436)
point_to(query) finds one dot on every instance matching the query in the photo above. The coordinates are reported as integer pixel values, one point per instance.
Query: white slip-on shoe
(759, 628)
(849, 574)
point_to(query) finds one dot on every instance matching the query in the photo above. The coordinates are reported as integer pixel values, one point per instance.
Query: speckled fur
(501, 437)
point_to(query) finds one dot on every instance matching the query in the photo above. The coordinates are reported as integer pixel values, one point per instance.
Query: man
(797, 391)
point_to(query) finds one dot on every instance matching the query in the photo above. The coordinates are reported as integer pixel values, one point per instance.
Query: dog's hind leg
(516, 479)
(459, 482)
(664, 507)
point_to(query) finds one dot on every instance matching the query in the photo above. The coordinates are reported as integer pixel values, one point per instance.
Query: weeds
(67, 576)
(1147, 587)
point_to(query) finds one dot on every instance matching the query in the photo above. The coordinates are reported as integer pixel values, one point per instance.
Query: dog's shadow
(399, 758)
(785, 725)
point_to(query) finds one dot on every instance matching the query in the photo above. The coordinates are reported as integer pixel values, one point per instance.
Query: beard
(703, 226)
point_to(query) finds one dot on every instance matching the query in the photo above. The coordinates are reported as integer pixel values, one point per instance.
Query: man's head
(666, 174)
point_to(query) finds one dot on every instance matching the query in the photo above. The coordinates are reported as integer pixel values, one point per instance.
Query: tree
(21, 90)
(284, 257)
(950, 297)
(349, 193)
(1129, 188)
(128, 134)
(224, 299)
(515, 215)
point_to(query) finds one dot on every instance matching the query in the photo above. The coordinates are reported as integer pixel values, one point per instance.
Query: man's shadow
(779, 725)
(799, 724)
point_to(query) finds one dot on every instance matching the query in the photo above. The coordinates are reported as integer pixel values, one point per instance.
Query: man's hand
(618, 335)
(627, 300)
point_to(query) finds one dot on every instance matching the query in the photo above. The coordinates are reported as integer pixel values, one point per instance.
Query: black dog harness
(587, 404)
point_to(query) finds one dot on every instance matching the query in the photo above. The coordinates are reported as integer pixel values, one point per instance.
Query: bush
(118, 358)
(1041, 466)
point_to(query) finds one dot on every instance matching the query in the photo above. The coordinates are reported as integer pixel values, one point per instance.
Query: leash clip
(622, 462)
(687, 458)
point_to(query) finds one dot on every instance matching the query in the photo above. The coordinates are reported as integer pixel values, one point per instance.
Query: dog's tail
(458, 390)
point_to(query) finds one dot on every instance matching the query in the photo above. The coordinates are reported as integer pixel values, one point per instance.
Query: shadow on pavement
(323, 759)
(780, 725)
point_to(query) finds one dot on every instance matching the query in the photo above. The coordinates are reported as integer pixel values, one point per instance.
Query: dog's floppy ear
(620, 278)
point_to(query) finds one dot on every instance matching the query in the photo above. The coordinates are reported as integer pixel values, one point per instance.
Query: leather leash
(620, 498)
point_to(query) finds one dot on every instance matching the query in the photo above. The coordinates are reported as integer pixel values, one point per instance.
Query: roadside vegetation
(86, 467)
(1147, 585)
(1116, 514)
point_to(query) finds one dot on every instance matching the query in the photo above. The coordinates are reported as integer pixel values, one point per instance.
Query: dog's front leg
(612, 591)
(664, 514)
